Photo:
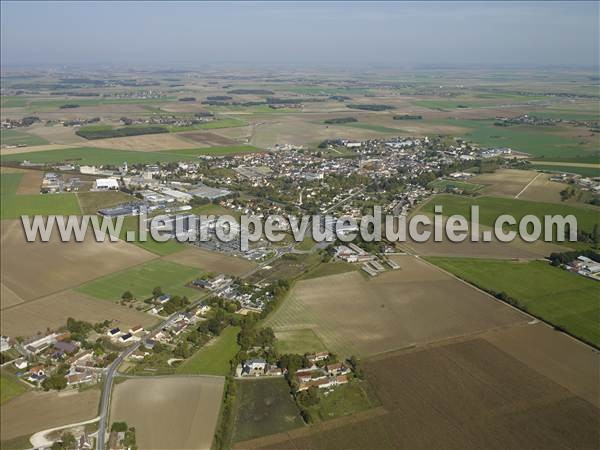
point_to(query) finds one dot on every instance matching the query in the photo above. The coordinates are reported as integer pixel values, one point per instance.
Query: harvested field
(211, 261)
(415, 305)
(56, 266)
(8, 297)
(146, 143)
(26, 319)
(206, 139)
(31, 182)
(467, 394)
(178, 412)
(565, 361)
(505, 182)
(36, 411)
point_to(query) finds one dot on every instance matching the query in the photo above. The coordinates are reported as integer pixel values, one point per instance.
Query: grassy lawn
(344, 400)
(140, 280)
(18, 137)
(158, 248)
(298, 342)
(9, 183)
(492, 207)
(13, 206)
(91, 202)
(264, 407)
(561, 298)
(10, 387)
(214, 357)
(330, 268)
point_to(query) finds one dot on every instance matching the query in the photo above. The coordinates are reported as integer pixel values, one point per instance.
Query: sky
(337, 33)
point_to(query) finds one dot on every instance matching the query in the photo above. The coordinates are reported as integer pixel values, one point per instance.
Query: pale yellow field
(36, 269)
(169, 412)
(29, 318)
(415, 305)
(145, 143)
(37, 411)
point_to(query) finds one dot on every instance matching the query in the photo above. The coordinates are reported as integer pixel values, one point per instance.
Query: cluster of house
(42, 355)
(584, 183)
(175, 327)
(250, 298)
(134, 334)
(327, 376)
(586, 267)
(53, 183)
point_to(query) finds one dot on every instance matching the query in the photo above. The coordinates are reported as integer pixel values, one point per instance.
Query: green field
(492, 207)
(18, 137)
(13, 206)
(537, 141)
(54, 103)
(372, 127)
(93, 156)
(91, 202)
(13, 101)
(214, 357)
(298, 342)
(263, 407)
(10, 387)
(442, 185)
(583, 171)
(344, 400)
(140, 280)
(561, 298)
(9, 183)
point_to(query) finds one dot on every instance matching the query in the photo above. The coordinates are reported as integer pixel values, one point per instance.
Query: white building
(106, 184)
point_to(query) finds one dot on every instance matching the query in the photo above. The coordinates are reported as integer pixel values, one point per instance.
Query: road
(112, 370)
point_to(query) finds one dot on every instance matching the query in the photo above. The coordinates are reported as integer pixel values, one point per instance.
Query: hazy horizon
(355, 34)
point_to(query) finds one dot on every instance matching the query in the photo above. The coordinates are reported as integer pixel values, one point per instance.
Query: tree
(157, 292)
(127, 296)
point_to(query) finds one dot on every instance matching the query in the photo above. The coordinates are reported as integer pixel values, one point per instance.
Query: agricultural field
(210, 261)
(35, 411)
(564, 299)
(17, 137)
(298, 342)
(215, 151)
(141, 279)
(490, 208)
(411, 306)
(262, 407)
(151, 245)
(71, 263)
(36, 316)
(330, 268)
(483, 397)
(582, 170)
(345, 400)
(214, 357)
(10, 387)
(14, 206)
(146, 143)
(91, 202)
(181, 413)
(554, 144)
